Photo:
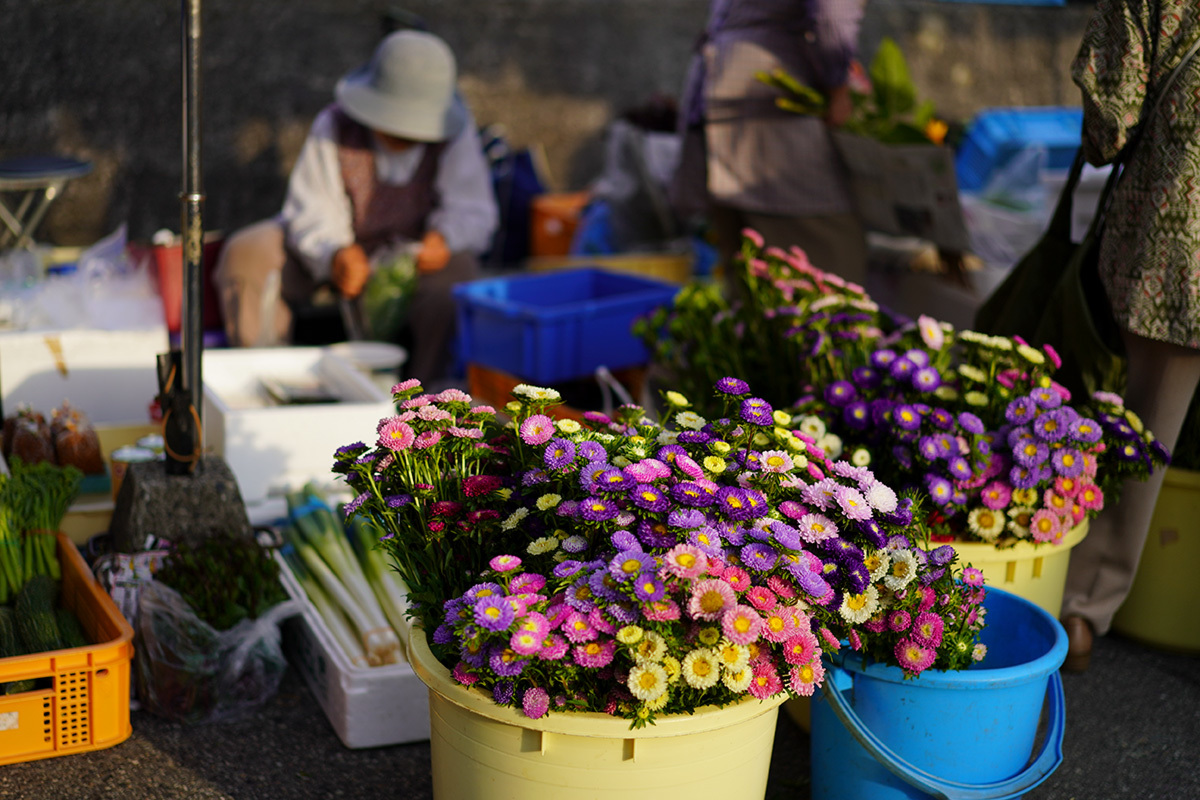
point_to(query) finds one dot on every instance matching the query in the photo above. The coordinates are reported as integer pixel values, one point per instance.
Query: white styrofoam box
(272, 448)
(367, 706)
(109, 374)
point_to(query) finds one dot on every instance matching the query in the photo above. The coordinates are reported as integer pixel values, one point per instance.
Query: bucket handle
(1047, 761)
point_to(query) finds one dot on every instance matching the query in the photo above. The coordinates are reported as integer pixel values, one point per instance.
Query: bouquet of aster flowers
(640, 569)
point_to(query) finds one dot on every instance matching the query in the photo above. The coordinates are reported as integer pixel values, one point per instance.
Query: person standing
(395, 159)
(747, 163)
(1149, 266)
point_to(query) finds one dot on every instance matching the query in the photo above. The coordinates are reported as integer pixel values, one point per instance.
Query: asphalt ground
(1132, 731)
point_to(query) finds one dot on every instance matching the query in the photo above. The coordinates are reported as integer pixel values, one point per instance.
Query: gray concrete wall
(102, 80)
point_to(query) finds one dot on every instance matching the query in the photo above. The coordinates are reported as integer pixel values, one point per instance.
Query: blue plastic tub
(556, 326)
(996, 135)
(958, 735)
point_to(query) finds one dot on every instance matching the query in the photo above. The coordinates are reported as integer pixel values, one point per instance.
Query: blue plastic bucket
(967, 734)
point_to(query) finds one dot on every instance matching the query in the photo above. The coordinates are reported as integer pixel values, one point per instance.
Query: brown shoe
(1079, 644)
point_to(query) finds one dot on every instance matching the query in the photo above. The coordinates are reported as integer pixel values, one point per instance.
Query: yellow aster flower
(568, 426)
(700, 668)
(676, 399)
(548, 501)
(720, 447)
(630, 634)
(714, 464)
(781, 417)
(709, 636)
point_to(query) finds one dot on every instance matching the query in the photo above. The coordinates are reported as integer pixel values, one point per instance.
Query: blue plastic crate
(998, 134)
(556, 326)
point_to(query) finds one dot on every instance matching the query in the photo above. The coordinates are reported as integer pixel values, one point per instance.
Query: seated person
(395, 159)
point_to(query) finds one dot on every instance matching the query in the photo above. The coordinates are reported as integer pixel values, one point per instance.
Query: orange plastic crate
(86, 705)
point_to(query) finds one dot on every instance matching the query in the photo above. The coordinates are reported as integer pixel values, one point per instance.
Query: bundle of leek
(319, 542)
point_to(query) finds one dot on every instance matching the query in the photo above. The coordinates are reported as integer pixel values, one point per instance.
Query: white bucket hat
(406, 89)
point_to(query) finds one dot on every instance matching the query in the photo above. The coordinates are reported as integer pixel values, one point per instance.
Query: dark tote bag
(1053, 295)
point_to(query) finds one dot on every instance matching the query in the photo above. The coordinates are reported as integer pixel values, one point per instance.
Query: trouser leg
(248, 278)
(1162, 379)
(432, 318)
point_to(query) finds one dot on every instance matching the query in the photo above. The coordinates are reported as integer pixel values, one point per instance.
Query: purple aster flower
(940, 490)
(1030, 453)
(1021, 410)
(918, 357)
(903, 456)
(857, 415)
(865, 377)
(694, 437)
(691, 494)
(1046, 397)
(756, 411)
(970, 423)
(533, 477)
(734, 386)
(1022, 477)
(592, 451)
(818, 343)
(649, 588)
(941, 556)
(730, 532)
(929, 448)
(839, 393)
(624, 540)
(655, 534)
(1085, 430)
(685, 518)
(481, 590)
(872, 532)
(785, 535)
(959, 468)
(503, 692)
(926, 379)
(649, 497)
(858, 576)
(883, 358)
(559, 453)
(597, 509)
(397, 500)
(902, 369)
(494, 612)
(901, 517)
(708, 540)
(613, 479)
(1051, 426)
(759, 556)
(604, 586)
(590, 472)
(1068, 462)
(941, 418)
(505, 662)
(628, 564)
(906, 417)
(881, 411)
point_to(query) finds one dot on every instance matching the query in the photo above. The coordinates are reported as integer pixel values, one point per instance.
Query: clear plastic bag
(187, 671)
(387, 295)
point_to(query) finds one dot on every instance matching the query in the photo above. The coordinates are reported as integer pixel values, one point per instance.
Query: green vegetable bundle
(33, 501)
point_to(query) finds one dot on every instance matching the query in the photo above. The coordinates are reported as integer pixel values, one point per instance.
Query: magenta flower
(595, 655)
(741, 624)
(535, 702)
(710, 599)
(765, 682)
(662, 610)
(504, 563)
(914, 658)
(554, 648)
(927, 629)
(801, 648)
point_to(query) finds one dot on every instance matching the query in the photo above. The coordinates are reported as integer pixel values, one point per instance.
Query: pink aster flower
(525, 643)
(816, 528)
(761, 598)
(801, 648)
(972, 576)
(765, 682)
(664, 610)
(689, 467)
(427, 439)
(996, 495)
(595, 654)
(754, 236)
(741, 624)
(779, 624)
(417, 402)
(1067, 487)
(927, 629)
(805, 678)
(535, 702)
(1090, 497)
(852, 503)
(782, 588)
(537, 429)
(395, 435)
(1045, 525)
(462, 673)
(406, 385)
(912, 657)
(504, 563)
(578, 628)
(710, 599)
(685, 561)
(736, 577)
(831, 641)
(554, 648)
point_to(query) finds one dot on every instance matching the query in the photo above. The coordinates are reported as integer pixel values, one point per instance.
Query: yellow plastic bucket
(490, 752)
(1160, 608)
(1036, 572)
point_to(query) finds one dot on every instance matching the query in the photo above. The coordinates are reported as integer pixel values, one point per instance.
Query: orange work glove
(433, 254)
(350, 270)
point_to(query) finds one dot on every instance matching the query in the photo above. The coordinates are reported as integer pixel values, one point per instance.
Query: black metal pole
(192, 228)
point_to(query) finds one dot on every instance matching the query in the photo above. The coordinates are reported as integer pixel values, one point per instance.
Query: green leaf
(894, 91)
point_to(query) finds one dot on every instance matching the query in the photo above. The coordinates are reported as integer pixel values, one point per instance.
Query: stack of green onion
(348, 596)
